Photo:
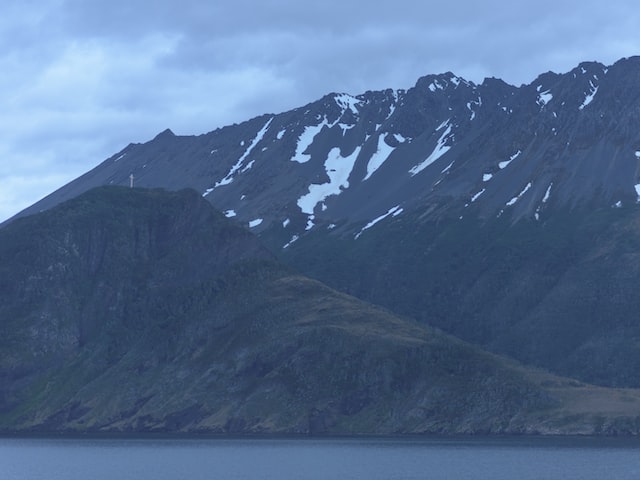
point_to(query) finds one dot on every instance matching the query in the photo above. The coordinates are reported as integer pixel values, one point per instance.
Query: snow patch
(392, 109)
(305, 139)
(470, 108)
(637, 187)
(544, 97)
(293, 239)
(618, 204)
(379, 157)
(394, 211)
(347, 102)
(310, 223)
(280, 134)
(230, 213)
(638, 154)
(440, 150)
(338, 169)
(477, 195)
(516, 198)
(544, 200)
(255, 223)
(590, 95)
(229, 177)
(448, 167)
(286, 223)
(435, 85)
(486, 177)
(547, 194)
(120, 157)
(399, 138)
(506, 163)
(470, 105)
(248, 166)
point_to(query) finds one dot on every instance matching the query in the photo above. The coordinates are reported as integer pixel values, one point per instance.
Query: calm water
(307, 459)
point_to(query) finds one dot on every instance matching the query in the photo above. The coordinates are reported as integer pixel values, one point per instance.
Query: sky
(81, 79)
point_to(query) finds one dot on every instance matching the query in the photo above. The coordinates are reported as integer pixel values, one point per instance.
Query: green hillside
(147, 311)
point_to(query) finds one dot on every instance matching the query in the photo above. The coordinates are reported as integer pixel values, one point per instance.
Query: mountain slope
(562, 140)
(504, 215)
(148, 311)
(560, 294)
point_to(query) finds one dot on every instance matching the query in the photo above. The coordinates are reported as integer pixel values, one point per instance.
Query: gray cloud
(83, 78)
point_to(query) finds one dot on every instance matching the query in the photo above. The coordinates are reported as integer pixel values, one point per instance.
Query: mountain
(507, 216)
(349, 159)
(131, 310)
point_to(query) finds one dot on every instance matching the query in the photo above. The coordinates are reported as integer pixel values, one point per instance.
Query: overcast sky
(81, 79)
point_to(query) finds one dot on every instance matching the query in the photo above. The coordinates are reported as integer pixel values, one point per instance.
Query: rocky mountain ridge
(345, 161)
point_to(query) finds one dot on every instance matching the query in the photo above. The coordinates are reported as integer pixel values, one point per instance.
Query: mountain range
(563, 141)
(505, 216)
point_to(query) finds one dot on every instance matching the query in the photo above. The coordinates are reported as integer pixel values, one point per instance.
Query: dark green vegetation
(142, 310)
(560, 293)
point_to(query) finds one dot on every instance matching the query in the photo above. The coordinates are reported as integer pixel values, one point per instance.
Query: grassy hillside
(558, 293)
(137, 311)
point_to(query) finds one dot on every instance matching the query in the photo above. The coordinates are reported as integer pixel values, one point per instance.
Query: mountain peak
(165, 134)
(443, 81)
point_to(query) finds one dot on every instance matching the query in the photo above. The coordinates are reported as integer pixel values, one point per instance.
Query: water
(311, 459)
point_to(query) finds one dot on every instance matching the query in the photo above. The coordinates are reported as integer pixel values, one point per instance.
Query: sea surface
(155, 458)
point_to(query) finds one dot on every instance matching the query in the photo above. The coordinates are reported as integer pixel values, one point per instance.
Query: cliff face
(103, 269)
(142, 310)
